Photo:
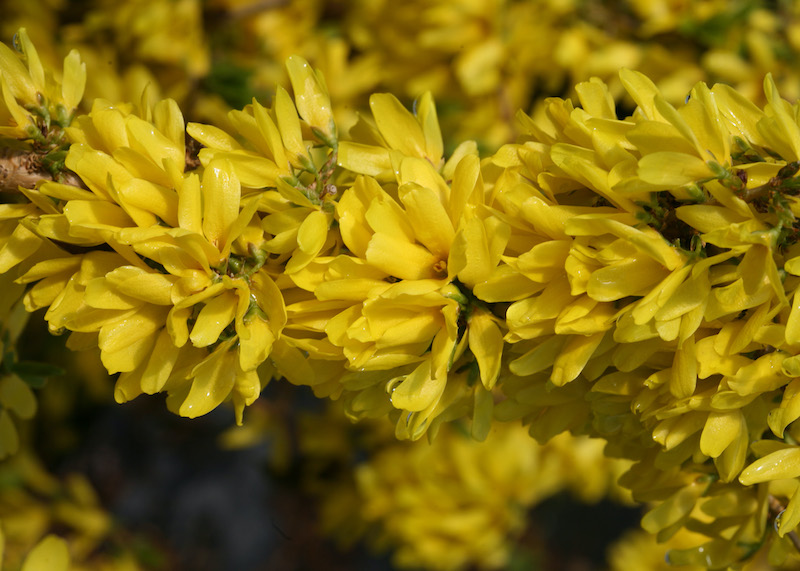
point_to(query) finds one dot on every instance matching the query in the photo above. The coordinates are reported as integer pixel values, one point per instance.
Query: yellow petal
(418, 389)
(190, 204)
(212, 137)
(18, 78)
(779, 127)
(400, 258)
(793, 323)
(399, 128)
(791, 515)
(730, 462)
(146, 139)
(573, 357)
(386, 216)
(221, 193)
(760, 376)
(426, 113)
(130, 327)
(292, 363)
(778, 465)
(789, 411)
(720, 430)
(272, 136)
(633, 276)
(128, 357)
(139, 283)
(467, 187)
(428, 217)
(177, 325)
(168, 119)
(18, 247)
(741, 113)
(486, 343)
(469, 256)
(364, 159)
(100, 295)
(245, 392)
(212, 381)
(311, 96)
(671, 169)
(643, 91)
(583, 165)
(683, 376)
(212, 320)
(289, 127)
(74, 80)
(50, 554)
(152, 197)
(253, 171)
(673, 509)
(35, 67)
(313, 232)
(423, 173)
(255, 349)
(160, 365)
(482, 414)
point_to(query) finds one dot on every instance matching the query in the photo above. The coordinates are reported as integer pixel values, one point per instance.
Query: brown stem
(776, 508)
(24, 168)
(753, 194)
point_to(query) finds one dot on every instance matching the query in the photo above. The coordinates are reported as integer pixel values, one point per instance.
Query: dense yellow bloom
(457, 504)
(204, 283)
(698, 339)
(437, 240)
(629, 277)
(295, 166)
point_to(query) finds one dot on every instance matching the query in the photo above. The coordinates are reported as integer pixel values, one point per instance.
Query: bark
(24, 168)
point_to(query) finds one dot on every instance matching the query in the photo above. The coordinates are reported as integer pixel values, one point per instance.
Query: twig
(19, 167)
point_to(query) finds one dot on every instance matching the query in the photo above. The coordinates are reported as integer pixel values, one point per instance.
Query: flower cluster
(626, 276)
(662, 311)
(456, 504)
(482, 60)
(450, 504)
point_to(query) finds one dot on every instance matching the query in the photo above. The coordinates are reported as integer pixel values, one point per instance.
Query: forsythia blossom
(630, 277)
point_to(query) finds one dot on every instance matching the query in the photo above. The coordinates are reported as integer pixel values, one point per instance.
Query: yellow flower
(280, 156)
(35, 106)
(186, 306)
(396, 129)
(452, 477)
(218, 294)
(693, 139)
(435, 243)
(311, 98)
